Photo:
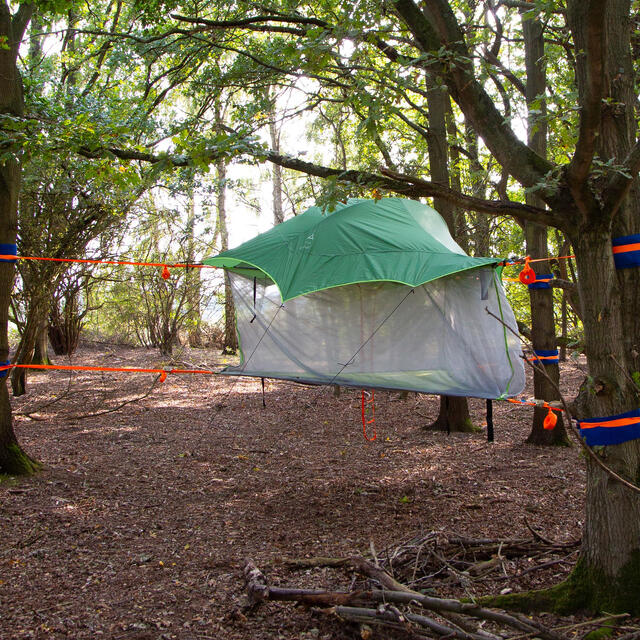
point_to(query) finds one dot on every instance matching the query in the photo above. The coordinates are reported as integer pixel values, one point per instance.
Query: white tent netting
(435, 338)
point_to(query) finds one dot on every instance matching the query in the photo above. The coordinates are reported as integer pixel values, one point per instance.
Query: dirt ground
(139, 524)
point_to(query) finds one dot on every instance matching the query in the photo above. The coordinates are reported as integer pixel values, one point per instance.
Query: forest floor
(141, 519)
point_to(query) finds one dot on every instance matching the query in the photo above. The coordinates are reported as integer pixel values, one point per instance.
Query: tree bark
(13, 460)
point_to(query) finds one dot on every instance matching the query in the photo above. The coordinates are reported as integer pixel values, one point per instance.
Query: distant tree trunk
(65, 320)
(13, 460)
(274, 132)
(192, 276)
(230, 345)
(546, 377)
(481, 235)
(35, 325)
(454, 411)
(461, 234)
(41, 349)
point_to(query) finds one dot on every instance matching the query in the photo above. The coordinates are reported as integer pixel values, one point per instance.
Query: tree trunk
(453, 415)
(546, 376)
(13, 460)
(610, 561)
(607, 576)
(192, 276)
(41, 349)
(36, 315)
(454, 411)
(230, 345)
(274, 132)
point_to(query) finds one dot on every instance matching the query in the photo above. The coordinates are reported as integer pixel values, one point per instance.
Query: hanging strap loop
(527, 275)
(365, 422)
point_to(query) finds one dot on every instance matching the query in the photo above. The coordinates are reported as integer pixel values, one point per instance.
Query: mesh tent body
(375, 294)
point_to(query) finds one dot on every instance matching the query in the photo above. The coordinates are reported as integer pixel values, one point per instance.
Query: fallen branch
(356, 605)
(256, 583)
(384, 615)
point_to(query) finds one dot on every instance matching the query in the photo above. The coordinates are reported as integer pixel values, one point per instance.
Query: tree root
(15, 462)
(586, 589)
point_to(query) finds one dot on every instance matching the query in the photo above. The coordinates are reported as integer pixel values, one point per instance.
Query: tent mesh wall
(435, 338)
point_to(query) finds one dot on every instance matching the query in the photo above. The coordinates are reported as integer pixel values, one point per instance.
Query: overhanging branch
(416, 187)
(388, 180)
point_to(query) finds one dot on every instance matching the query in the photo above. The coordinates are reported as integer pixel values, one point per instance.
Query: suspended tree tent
(375, 294)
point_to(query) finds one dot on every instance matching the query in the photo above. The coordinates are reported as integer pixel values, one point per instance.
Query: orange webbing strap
(517, 261)
(624, 248)
(365, 422)
(542, 404)
(63, 367)
(620, 422)
(550, 420)
(165, 266)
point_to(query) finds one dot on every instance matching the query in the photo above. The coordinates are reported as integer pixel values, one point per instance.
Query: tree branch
(19, 23)
(416, 187)
(252, 20)
(592, 100)
(619, 184)
(398, 183)
(438, 26)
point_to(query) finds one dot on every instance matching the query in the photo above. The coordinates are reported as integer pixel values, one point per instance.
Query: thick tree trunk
(453, 415)
(13, 459)
(610, 560)
(608, 572)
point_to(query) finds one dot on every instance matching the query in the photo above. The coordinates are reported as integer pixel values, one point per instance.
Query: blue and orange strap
(612, 430)
(626, 251)
(545, 356)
